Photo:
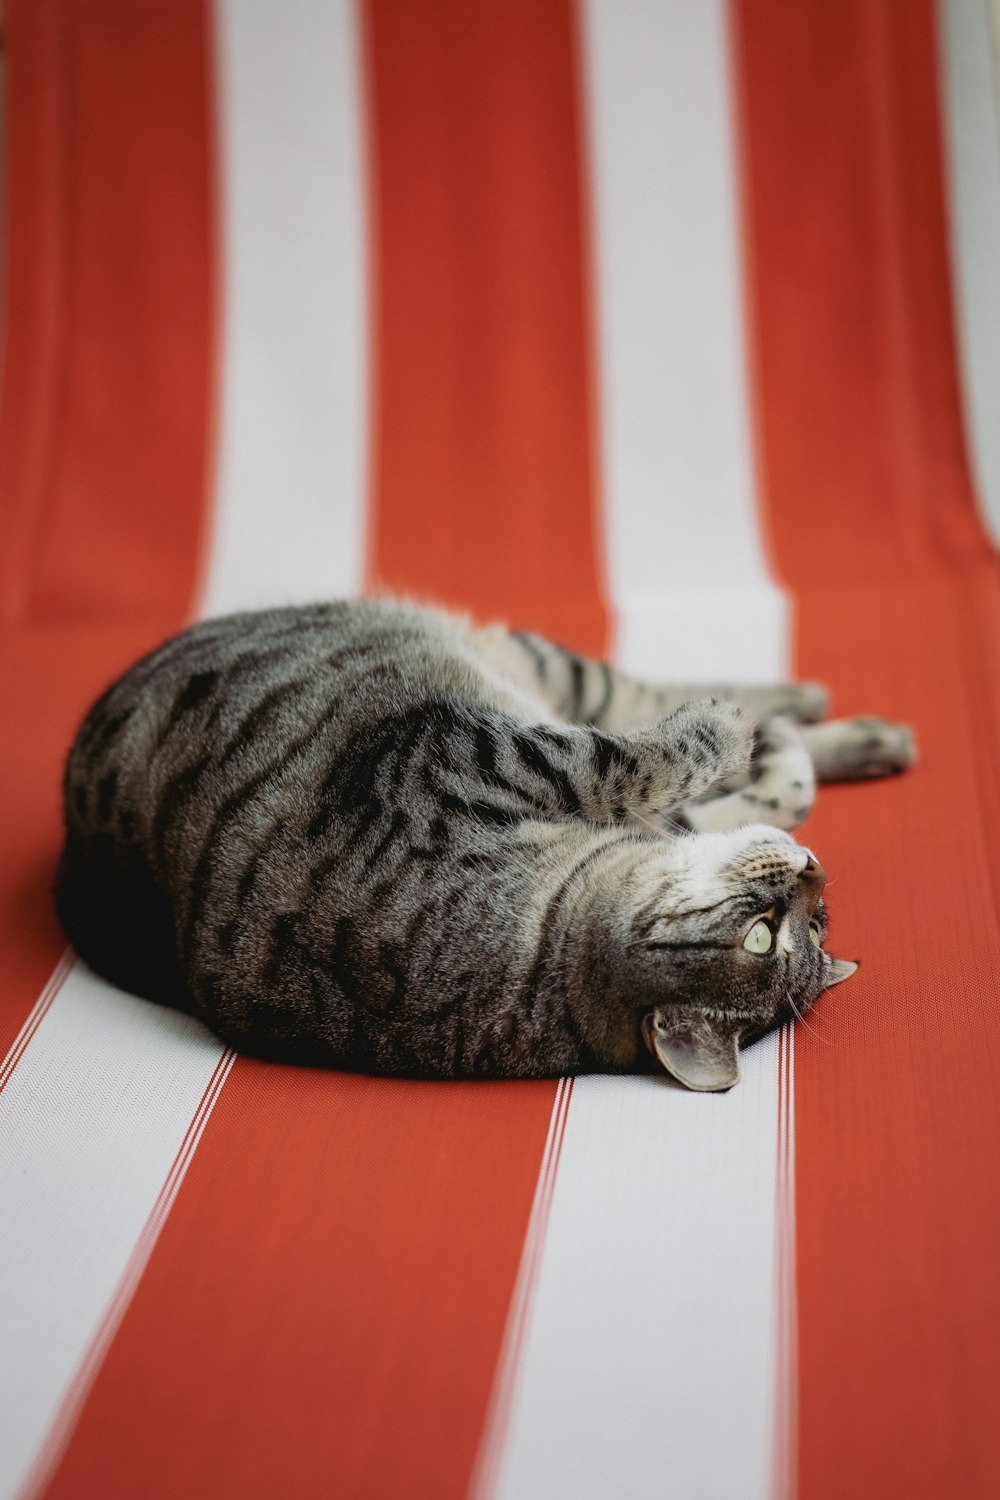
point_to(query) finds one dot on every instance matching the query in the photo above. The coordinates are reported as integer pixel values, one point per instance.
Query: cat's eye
(759, 939)
(815, 936)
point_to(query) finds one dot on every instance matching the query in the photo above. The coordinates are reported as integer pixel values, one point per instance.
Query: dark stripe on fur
(528, 643)
(554, 905)
(577, 673)
(608, 752)
(606, 695)
(533, 758)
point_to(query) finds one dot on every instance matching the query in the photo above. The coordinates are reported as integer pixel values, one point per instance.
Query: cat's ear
(837, 970)
(697, 1051)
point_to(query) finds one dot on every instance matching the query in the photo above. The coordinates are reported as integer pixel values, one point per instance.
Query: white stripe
(491, 1450)
(652, 1347)
(648, 1362)
(971, 93)
(683, 543)
(92, 1124)
(290, 514)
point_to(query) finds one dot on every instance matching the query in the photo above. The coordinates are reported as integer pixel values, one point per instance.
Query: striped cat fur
(374, 836)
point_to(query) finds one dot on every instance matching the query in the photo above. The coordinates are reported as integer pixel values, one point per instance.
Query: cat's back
(226, 735)
(221, 685)
(263, 700)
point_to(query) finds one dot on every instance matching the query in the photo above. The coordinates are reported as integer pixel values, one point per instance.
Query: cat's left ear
(837, 970)
(699, 1052)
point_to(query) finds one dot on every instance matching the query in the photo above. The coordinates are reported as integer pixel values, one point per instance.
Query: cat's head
(732, 944)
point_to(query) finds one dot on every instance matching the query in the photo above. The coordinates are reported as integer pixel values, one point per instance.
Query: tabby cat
(374, 836)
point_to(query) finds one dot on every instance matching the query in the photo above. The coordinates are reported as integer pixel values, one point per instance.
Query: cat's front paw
(715, 739)
(856, 749)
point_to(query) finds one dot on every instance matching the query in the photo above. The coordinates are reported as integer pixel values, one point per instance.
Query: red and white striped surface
(630, 322)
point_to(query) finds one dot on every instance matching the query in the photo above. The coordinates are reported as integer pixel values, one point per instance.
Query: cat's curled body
(376, 837)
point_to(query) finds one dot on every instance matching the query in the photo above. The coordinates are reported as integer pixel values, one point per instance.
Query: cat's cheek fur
(609, 988)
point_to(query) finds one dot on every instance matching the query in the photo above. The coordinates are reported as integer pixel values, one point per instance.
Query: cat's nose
(813, 877)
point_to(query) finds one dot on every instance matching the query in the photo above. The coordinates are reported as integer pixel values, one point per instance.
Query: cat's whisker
(812, 1031)
(654, 828)
(658, 828)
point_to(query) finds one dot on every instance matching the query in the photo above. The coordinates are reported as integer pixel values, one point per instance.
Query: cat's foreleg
(613, 777)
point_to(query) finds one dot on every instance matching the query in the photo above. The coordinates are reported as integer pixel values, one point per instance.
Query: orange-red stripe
(325, 1306)
(119, 527)
(897, 1192)
(314, 1316)
(34, 287)
(484, 487)
(105, 425)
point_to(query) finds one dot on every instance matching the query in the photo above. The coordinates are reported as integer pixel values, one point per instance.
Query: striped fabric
(630, 321)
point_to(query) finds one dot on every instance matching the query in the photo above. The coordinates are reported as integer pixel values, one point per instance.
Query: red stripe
(484, 484)
(34, 286)
(314, 1314)
(104, 438)
(874, 526)
(123, 211)
(869, 441)
(325, 1305)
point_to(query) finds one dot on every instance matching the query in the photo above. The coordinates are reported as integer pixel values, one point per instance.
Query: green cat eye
(759, 939)
(814, 936)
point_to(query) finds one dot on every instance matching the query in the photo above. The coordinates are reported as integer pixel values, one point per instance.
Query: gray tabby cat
(375, 837)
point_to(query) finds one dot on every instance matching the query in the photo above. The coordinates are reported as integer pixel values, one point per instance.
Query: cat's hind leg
(856, 749)
(805, 702)
(583, 690)
(789, 759)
